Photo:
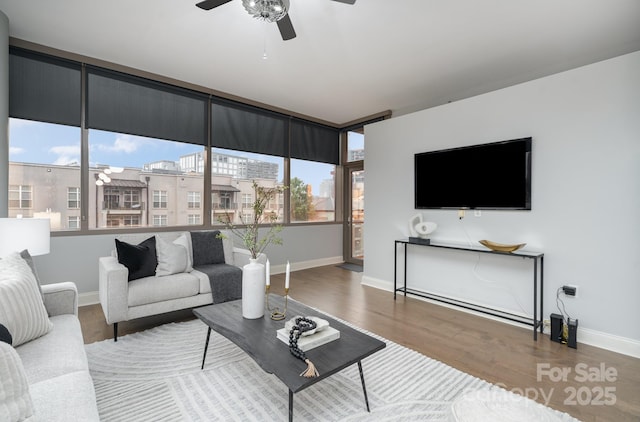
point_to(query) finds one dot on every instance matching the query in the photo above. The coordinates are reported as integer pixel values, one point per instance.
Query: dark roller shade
(44, 88)
(314, 142)
(128, 104)
(246, 128)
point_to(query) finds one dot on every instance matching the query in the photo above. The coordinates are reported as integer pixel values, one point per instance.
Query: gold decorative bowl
(499, 247)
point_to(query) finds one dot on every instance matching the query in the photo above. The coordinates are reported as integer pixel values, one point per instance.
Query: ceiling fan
(268, 10)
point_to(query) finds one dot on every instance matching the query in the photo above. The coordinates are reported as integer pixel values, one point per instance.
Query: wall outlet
(570, 290)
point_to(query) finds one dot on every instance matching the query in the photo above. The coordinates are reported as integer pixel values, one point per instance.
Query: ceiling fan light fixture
(268, 10)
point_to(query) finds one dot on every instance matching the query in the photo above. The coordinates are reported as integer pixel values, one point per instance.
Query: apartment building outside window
(193, 200)
(193, 219)
(160, 199)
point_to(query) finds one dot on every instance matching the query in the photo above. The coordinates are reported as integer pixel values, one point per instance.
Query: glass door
(354, 230)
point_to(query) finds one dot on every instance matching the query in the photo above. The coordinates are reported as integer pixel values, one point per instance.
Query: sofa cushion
(15, 400)
(157, 289)
(207, 248)
(68, 397)
(21, 308)
(172, 257)
(59, 352)
(140, 259)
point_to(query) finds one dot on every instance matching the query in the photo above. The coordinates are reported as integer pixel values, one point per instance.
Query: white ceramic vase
(253, 285)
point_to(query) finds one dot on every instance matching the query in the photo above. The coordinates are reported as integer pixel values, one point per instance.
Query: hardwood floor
(496, 352)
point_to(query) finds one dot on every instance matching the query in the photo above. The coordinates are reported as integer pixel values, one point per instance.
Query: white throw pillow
(15, 400)
(21, 308)
(172, 258)
(185, 241)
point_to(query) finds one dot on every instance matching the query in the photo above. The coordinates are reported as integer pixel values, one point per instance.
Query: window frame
(163, 203)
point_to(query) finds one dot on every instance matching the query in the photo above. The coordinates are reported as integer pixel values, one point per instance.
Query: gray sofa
(123, 299)
(56, 364)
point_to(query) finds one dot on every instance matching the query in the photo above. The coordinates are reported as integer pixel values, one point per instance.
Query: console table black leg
(290, 406)
(542, 293)
(366, 400)
(206, 346)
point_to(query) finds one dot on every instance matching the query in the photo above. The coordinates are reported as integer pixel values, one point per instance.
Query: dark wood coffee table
(257, 337)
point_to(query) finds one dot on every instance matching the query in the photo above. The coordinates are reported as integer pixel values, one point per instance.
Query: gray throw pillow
(29, 260)
(207, 248)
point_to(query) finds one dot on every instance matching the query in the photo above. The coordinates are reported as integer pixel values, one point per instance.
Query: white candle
(268, 273)
(286, 278)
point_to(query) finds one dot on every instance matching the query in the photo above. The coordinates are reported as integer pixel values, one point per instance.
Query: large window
(146, 151)
(312, 191)
(131, 176)
(233, 174)
(43, 159)
(355, 146)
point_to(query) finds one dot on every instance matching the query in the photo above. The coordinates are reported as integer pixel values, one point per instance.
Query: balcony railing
(217, 206)
(123, 207)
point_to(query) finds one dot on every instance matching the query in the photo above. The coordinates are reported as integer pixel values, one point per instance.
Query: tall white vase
(253, 285)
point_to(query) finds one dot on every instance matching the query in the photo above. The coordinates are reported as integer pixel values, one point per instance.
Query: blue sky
(44, 143)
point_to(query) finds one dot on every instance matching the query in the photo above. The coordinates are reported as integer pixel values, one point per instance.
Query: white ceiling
(347, 61)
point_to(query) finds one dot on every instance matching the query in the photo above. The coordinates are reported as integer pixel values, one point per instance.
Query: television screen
(489, 176)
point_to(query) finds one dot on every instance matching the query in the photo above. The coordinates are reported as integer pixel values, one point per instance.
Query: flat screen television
(493, 176)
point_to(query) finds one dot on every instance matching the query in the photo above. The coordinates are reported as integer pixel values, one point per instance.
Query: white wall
(75, 258)
(585, 125)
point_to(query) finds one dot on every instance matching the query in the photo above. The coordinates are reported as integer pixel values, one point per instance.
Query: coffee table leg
(290, 406)
(206, 346)
(366, 400)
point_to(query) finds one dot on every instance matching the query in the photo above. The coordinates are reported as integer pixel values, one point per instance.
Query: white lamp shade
(17, 234)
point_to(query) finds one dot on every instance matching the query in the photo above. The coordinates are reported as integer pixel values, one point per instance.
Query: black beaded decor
(302, 324)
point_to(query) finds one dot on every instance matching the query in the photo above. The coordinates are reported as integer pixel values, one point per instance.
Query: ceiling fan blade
(210, 4)
(346, 1)
(286, 28)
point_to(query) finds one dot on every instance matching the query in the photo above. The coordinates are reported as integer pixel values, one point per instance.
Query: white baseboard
(614, 343)
(89, 298)
(303, 265)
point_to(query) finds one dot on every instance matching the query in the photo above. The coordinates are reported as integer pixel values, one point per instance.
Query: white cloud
(123, 143)
(16, 150)
(67, 155)
(66, 149)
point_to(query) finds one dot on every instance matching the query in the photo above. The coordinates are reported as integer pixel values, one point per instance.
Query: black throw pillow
(5, 335)
(207, 248)
(140, 259)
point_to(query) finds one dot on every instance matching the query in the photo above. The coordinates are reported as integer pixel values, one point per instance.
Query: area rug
(155, 376)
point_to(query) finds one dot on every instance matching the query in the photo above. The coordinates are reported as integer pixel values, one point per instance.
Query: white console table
(538, 283)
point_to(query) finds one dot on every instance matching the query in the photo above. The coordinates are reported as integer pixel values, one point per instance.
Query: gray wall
(75, 258)
(585, 125)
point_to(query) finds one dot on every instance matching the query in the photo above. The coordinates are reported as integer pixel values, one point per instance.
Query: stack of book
(322, 335)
